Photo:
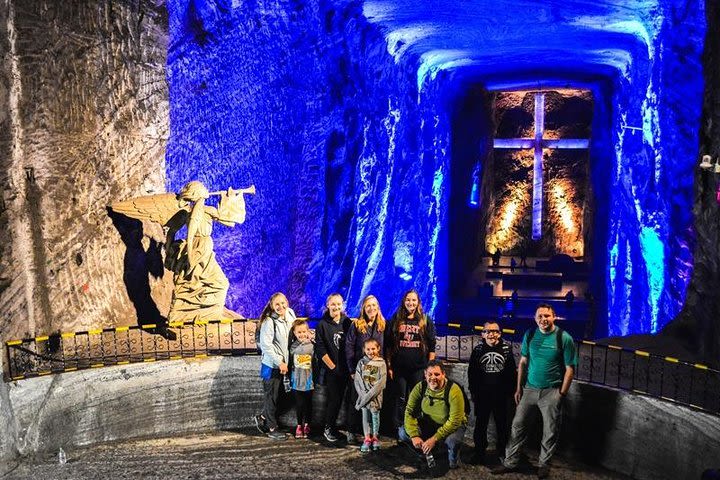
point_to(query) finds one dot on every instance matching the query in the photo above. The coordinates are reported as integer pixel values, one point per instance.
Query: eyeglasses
(492, 331)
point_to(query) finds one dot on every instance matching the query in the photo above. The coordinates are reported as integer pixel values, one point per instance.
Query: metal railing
(66, 352)
(691, 384)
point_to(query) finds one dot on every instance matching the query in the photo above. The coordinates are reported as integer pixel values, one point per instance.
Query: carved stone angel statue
(200, 284)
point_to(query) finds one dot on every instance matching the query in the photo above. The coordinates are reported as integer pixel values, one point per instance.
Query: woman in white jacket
(275, 322)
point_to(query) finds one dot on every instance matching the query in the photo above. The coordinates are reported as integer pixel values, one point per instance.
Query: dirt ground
(246, 454)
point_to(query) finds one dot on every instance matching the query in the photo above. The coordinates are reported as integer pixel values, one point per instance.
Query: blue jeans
(453, 441)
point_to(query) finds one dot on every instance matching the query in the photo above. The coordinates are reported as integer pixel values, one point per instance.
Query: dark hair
(436, 363)
(268, 309)
(491, 322)
(401, 316)
(545, 305)
(295, 324)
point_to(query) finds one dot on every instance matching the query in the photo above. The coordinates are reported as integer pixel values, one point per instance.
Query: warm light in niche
(564, 208)
(567, 218)
(503, 233)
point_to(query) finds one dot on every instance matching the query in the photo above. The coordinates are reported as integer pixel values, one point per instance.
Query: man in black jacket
(491, 381)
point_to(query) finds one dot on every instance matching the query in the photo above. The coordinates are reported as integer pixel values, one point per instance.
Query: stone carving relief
(200, 286)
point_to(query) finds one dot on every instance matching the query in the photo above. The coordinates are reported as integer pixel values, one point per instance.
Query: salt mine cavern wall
(341, 114)
(346, 131)
(698, 325)
(85, 124)
(84, 121)
(303, 100)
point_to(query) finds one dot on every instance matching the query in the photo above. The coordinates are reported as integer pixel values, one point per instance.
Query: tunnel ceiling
(519, 40)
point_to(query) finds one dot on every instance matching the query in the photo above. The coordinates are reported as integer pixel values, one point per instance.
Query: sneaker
(502, 469)
(260, 424)
(330, 435)
(276, 435)
(306, 431)
(375, 443)
(543, 471)
(299, 432)
(365, 448)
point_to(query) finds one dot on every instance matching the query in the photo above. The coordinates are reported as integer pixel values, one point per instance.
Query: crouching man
(435, 414)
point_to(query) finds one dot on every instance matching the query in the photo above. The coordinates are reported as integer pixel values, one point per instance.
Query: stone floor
(232, 455)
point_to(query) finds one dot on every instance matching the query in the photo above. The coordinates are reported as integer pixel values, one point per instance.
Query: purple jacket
(354, 342)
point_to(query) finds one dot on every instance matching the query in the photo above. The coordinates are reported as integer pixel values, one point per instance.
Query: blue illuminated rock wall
(302, 99)
(340, 114)
(650, 232)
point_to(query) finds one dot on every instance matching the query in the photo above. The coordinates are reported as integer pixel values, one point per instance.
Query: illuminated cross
(537, 144)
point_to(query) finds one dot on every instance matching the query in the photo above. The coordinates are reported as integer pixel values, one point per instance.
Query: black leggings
(404, 383)
(303, 406)
(335, 390)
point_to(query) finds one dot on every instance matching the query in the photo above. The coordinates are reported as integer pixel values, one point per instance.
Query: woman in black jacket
(409, 346)
(330, 349)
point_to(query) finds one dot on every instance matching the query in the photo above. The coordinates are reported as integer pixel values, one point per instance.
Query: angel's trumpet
(250, 189)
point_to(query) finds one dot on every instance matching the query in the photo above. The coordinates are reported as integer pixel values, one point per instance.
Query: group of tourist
(356, 359)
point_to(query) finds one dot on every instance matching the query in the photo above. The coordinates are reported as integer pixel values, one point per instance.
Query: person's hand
(518, 395)
(417, 442)
(390, 374)
(428, 445)
(283, 368)
(352, 375)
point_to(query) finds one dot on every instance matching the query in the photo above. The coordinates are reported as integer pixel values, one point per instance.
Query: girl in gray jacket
(370, 381)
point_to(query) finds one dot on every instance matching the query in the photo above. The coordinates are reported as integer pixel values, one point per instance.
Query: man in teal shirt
(436, 416)
(548, 358)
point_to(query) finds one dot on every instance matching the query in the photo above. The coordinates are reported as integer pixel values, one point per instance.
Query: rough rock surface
(698, 325)
(568, 114)
(86, 124)
(171, 398)
(342, 114)
(304, 100)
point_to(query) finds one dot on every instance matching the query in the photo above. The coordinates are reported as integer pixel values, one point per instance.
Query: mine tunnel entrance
(521, 206)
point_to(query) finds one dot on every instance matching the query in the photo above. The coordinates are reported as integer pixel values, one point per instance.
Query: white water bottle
(286, 383)
(62, 458)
